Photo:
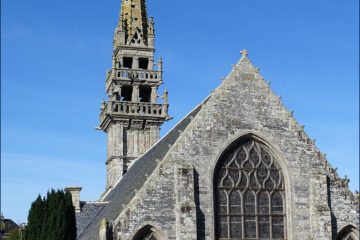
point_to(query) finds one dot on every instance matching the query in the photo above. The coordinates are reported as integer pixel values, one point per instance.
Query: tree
(52, 218)
(35, 219)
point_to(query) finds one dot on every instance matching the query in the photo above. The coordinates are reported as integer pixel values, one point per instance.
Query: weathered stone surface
(75, 194)
(318, 202)
(132, 116)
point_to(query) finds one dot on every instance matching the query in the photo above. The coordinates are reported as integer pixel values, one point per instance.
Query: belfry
(132, 116)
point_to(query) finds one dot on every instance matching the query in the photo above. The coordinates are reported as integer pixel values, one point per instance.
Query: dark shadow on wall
(200, 217)
(333, 218)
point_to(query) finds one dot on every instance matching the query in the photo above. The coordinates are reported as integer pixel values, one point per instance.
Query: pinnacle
(134, 21)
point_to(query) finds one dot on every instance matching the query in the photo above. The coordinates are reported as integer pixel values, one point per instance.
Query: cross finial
(244, 53)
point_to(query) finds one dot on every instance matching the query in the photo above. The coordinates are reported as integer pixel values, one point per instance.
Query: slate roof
(9, 225)
(89, 210)
(134, 179)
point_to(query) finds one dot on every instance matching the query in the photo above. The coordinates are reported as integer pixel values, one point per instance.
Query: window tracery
(249, 194)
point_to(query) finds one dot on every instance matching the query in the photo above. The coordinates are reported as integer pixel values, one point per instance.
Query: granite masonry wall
(177, 198)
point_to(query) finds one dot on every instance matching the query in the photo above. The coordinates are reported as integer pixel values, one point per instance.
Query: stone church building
(238, 166)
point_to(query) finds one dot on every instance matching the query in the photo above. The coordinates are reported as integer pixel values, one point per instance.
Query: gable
(243, 105)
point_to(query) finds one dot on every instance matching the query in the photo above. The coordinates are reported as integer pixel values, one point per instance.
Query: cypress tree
(48, 222)
(58, 217)
(35, 220)
(57, 221)
(70, 217)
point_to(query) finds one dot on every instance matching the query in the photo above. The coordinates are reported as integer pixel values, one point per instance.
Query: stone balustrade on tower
(134, 111)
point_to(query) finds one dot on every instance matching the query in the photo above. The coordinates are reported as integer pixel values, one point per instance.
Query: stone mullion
(270, 217)
(228, 211)
(285, 226)
(257, 213)
(242, 213)
(284, 212)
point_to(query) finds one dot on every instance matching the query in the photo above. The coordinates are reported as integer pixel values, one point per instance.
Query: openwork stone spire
(134, 28)
(132, 116)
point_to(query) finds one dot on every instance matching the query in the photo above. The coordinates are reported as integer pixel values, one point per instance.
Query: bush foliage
(14, 234)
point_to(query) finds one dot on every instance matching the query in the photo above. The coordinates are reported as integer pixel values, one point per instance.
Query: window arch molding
(149, 226)
(274, 149)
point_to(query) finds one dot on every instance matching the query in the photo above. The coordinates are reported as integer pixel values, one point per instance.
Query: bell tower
(132, 116)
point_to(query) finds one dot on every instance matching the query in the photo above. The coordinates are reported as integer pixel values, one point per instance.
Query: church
(238, 166)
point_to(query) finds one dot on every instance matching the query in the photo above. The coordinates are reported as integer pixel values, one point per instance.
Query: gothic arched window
(249, 193)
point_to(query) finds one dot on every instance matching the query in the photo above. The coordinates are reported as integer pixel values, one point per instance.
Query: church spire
(134, 27)
(134, 112)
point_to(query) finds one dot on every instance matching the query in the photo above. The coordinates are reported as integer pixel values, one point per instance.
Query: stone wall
(243, 105)
(153, 204)
(344, 206)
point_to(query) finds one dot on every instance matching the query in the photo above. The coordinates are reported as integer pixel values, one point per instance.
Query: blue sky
(55, 54)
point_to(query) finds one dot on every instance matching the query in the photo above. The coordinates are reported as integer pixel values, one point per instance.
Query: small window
(126, 93)
(128, 61)
(143, 63)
